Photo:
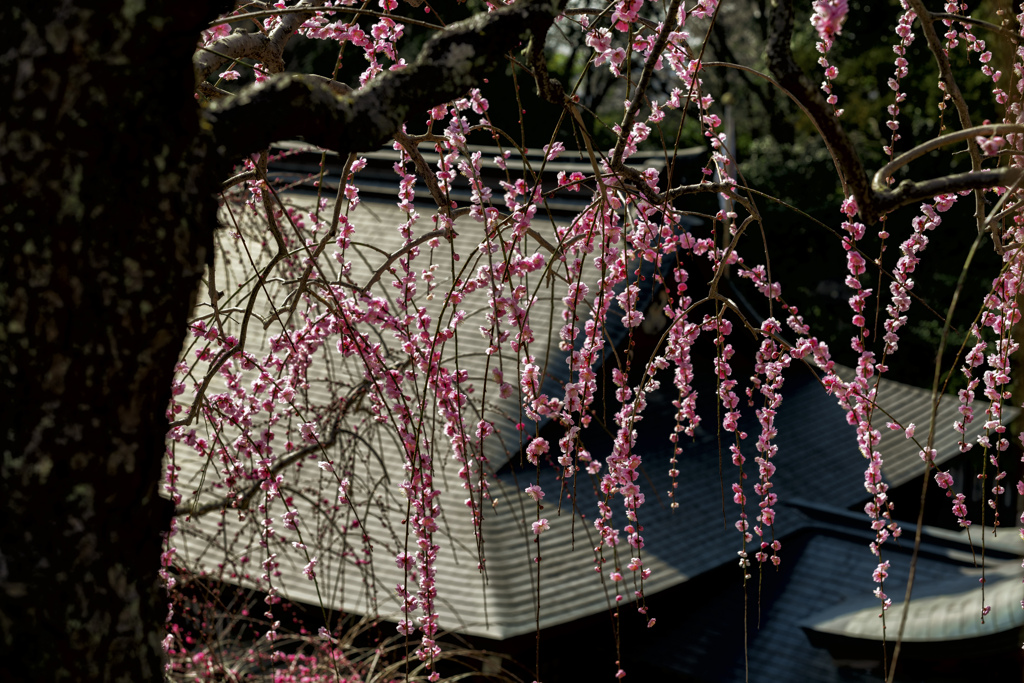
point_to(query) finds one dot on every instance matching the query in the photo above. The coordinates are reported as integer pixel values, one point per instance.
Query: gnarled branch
(450, 63)
(265, 48)
(792, 78)
(875, 199)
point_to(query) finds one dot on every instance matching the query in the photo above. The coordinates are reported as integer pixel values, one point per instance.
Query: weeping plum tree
(134, 178)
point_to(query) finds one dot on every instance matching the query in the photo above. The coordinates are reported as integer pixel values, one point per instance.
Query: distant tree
(115, 157)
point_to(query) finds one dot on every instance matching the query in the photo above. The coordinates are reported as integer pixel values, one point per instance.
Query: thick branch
(626, 127)
(792, 78)
(902, 160)
(260, 47)
(238, 45)
(290, 23)
(338, 87)
(876, 199)
(952, 89)
(449, 64)
(910, 192)
(550, 89)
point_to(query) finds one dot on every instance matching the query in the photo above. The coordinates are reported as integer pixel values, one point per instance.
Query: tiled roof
(825, 574)
(941, 611)
(299, 165)
(905, 404)
(817, 460)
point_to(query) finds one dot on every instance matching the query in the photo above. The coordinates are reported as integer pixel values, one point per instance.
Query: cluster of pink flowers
(903, 283)
(257, 416)
(974, 45)
(771, 362)
(828, 19)
(904, 30)
(382, 40)
(859, 396)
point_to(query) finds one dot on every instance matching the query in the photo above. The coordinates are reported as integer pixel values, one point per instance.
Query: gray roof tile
(819, 462)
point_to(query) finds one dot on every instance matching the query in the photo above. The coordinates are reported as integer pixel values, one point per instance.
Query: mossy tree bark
(105, 225)
(108, 170)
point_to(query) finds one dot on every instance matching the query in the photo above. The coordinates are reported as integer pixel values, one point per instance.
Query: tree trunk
(106, 219)
(105, 225)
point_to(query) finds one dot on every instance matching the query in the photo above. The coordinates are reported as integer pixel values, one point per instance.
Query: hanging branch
(950, 87)
(793, 80)
(875, 199)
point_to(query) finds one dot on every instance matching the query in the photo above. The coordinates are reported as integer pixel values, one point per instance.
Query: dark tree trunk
(106, 219)
(104, 230)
